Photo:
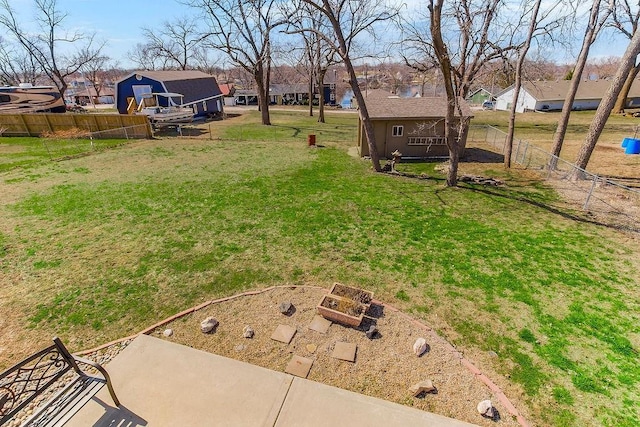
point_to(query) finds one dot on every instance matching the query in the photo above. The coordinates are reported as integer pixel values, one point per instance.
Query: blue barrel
(625, 142)
(633, 147)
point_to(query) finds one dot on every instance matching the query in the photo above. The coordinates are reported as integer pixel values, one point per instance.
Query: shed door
(139, 91)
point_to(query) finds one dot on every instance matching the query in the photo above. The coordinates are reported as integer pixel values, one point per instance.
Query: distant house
(249, 97)
(479, 96)
(228, 89)
(89, 96)
(284, 94)
(549, 96)
(200, 90)
(413, 126)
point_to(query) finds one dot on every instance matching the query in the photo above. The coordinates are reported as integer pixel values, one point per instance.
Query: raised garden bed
(345, 305)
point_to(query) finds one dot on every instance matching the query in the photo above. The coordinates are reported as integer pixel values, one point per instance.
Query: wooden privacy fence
(100, 125)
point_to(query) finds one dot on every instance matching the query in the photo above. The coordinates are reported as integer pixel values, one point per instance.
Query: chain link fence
(603, 198)
(78, 143)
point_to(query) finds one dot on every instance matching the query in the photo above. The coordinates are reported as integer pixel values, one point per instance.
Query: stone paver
(345, 351)
(320, 324)
(283, 333)
(299, 366)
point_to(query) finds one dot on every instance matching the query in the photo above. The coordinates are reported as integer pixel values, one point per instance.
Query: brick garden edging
(504, 400)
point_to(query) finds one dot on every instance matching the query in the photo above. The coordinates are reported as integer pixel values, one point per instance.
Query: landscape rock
(167, 332)
(208, 325)
(285, 307)
(248, 332)
(371, 332)
(311, 348)
(239, 348)
(485, 408)
(425, 386)
(420, 346)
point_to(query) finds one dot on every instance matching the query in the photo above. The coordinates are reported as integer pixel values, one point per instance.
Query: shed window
(422, 140)
(397, 130)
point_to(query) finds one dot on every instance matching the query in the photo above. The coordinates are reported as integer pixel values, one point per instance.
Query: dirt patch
(385, 367)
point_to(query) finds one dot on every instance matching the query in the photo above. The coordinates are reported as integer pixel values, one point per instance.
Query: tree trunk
(320, 83)
(606, 105)
(364, 116)
(263, 96)
(621, 101)
(518, 83)
(310, 96)
(444, 60)
(357, 93)
(563, 121)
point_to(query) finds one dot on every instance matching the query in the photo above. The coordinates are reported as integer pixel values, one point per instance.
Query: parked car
(489, 105)
(72, 107)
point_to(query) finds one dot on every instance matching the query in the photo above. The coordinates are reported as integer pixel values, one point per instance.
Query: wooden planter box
(345, 305)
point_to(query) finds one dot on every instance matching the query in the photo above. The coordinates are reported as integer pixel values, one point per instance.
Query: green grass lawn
(99, 247)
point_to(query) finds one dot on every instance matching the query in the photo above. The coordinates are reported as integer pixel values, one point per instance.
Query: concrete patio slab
(164, 384)
(311, 404)
(160, 383)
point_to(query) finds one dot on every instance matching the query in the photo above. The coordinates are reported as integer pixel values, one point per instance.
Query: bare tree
(141, 55)
(175, 43)
(444, 60)
(594, 25)
(96, 72)
(478, 35)
(242, 29)
(318, 55)
(44, 47)
(541, 24)
(604, 68)
(606, 105)
(15, 66)
(625, 19)
(348, 21)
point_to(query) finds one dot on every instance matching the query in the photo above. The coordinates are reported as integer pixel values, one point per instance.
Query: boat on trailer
(163, 110)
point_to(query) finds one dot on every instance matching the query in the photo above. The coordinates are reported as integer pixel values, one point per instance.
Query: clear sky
(120, 23)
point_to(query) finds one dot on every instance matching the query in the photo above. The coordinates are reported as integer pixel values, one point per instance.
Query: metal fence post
(593, 186)
(524, 154)
(494, 138)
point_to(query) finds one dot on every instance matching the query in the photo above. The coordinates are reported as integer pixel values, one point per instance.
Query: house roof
(227, 89)
(173, 75)
(383, 105)
(588, 89)
(481, 89)
(283, 89)
(91, 91)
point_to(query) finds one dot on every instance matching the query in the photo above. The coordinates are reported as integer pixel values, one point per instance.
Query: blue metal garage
(200, 90)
